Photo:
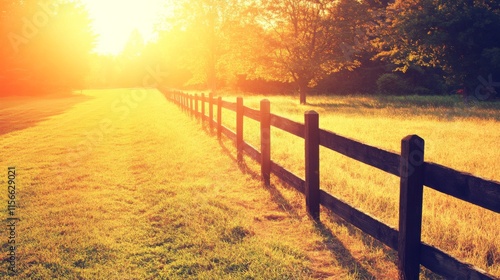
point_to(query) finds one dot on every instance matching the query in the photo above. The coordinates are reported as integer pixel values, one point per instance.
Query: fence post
(202, 107)
(184, 102)
(312, 163)
(239, 128)
(265, 141)
(210, 110)
(196, 105)
(191, 105)
(219, 117)
(410, 206)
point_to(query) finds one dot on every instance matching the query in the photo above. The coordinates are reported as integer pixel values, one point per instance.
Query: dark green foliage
(460, 38)
(392, 84)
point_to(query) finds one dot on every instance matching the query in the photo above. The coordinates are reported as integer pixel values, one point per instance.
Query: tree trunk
(302, 85)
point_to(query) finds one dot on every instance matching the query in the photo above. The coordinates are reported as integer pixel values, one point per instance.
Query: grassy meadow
(120, 184)
(461, 136)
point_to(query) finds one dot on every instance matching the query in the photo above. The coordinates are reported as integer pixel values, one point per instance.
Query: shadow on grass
(353, 105)
(276, 196)
(401, 101)
(444, 107)
(341, 253)
(334, 245)
(18, 113)
(367, 240)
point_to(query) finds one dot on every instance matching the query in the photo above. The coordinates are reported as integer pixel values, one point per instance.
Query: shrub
(392, 84)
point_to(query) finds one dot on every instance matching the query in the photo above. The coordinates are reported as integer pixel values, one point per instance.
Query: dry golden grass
(124, 186)
(456, 136)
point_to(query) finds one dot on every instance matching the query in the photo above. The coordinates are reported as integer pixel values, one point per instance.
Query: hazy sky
(114, 20)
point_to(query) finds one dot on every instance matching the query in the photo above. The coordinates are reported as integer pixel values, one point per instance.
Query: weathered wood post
(239, 128)
(219, 118)
(210, 110)
(183, 102)
(191, 109)
(184, 97)
(410, 206)
(312, 163)
(202, 107)
(196, 105)
(265, 141)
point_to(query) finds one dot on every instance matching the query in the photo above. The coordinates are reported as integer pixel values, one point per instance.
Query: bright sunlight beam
(114, 20)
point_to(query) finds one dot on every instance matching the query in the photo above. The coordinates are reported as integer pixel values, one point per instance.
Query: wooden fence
(410, 166)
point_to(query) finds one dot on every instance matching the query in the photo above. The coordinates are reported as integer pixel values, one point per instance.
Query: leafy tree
(309, 40)
(458, 36)
(203, 33)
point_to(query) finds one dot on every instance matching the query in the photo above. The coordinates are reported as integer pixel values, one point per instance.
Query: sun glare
(114, 20)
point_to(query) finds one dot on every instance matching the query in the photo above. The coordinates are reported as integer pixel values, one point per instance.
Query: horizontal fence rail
(410, 166)
(383, 160)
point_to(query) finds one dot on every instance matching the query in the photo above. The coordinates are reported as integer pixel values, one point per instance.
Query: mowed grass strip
(125, 186)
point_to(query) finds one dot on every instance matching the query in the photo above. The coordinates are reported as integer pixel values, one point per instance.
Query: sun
(114, 20)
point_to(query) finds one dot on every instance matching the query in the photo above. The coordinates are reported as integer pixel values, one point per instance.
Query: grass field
(461, 136)
(122, 185)
(119, 184)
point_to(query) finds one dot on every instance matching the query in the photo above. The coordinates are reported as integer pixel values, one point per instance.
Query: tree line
(343, 46)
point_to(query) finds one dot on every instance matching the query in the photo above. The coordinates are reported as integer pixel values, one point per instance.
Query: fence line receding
(410, 166)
